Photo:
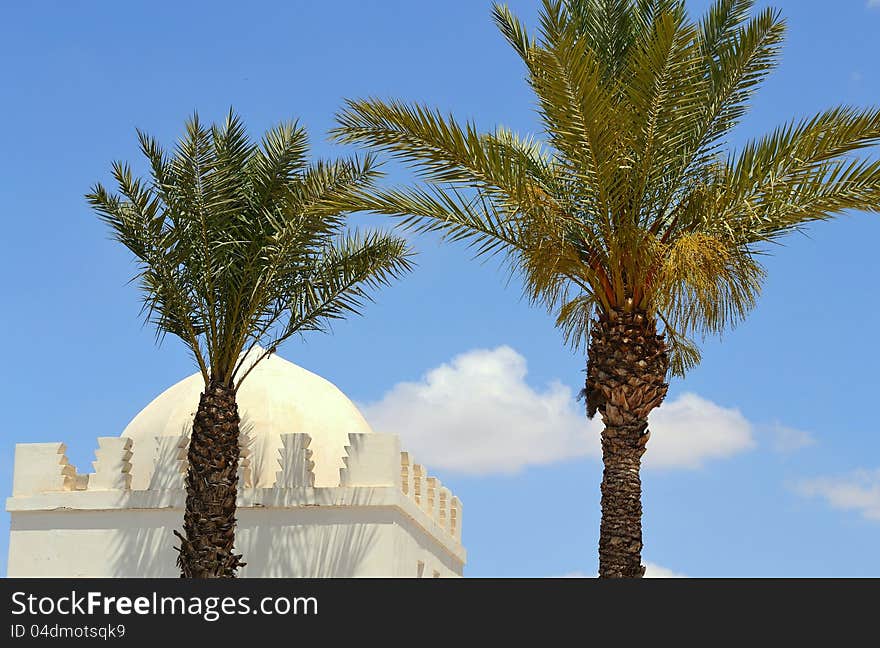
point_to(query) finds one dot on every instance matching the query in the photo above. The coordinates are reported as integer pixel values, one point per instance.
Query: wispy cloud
(873, 4)
(858, 491)
(788, 439)
(477, 414)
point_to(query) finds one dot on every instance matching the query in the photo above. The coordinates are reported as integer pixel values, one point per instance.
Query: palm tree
(239, 247)
(634, 223)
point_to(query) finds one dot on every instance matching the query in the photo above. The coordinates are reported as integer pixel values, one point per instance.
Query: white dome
(278, 397)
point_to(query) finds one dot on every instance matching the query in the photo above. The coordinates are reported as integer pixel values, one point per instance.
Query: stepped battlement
(124, 465)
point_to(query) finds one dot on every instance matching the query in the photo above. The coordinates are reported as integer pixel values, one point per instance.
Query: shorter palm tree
(240, 246)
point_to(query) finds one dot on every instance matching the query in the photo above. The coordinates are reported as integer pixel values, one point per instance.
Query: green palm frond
(241, 243)
(632, 199)
(339, 282)
(804, 171)
(459, 217)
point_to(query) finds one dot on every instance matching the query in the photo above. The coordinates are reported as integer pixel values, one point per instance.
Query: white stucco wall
(313, 542)
(387, 518)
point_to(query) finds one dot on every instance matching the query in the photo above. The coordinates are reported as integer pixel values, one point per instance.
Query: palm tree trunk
(206, 548)
(626, 374)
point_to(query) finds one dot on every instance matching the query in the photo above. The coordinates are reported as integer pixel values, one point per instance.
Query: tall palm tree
(239, 247)
(634, 223)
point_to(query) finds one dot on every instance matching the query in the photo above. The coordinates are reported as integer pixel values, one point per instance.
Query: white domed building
(320, 493)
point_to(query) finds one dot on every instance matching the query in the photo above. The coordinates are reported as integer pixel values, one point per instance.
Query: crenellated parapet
(245, 462)
(372, 464)
(112, 464)
(455, 518)
(430, 495)
(44, 467)
(371, 460)
(297, 467)
(169, 465)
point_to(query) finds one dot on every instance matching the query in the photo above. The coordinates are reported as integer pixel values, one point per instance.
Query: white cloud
(656, 571)
(478, 415)
(858, 491)
(787, 439)
(873, 4)
(651, 571)
(689, 430)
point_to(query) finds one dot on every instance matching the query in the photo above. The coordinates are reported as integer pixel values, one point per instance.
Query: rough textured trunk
(211, 488)
(626, 379)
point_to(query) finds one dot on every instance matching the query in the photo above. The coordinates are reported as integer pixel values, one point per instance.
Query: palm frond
(632, 202)
(238, 243)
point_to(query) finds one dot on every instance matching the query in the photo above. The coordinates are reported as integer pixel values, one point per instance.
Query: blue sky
(766, 462)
